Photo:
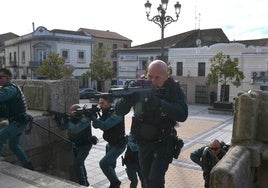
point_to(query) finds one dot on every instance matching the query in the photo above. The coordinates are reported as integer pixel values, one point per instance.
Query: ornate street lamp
(161, 19)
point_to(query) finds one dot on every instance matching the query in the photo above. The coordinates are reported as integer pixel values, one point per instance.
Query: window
(179, 69)
(100, 45)
(41, 55)
(81, 56)
(115, 66)
(201, 69)
(23, 57)
(15, 57)
(114, 46)
(65, 55)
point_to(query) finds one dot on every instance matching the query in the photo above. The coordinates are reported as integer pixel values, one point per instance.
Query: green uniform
(153, 128)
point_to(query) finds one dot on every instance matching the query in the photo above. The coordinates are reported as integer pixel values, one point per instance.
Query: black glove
(153, 101)
(94, 140)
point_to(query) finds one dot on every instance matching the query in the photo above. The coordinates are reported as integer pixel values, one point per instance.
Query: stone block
(56, 95)
(245, 118)
(233, 171)
(262, 121)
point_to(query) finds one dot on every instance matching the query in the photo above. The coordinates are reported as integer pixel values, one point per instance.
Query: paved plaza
(196, 131)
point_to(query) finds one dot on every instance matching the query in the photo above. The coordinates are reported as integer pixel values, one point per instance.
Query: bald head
(158, 64)
(157, 73)
(215, 146)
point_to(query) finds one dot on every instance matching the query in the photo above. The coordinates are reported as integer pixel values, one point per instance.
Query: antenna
(195, 17)
(199, 20)
(33, 26)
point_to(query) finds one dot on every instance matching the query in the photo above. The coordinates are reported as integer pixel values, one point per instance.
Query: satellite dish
(198, 42)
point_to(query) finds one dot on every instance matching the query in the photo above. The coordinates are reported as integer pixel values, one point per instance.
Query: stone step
(16, 176)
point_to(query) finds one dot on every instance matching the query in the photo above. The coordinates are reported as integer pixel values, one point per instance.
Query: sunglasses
(214, 148)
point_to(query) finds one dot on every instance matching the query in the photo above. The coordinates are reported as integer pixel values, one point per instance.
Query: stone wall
(246, 163)
(55, 95)
(45, 145)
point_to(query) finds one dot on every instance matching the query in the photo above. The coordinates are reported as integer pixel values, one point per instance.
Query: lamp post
(162, 19)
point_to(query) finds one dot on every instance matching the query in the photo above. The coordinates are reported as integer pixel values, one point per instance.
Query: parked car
(88, 93)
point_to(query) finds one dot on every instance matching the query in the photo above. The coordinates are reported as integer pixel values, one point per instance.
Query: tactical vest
(116, 134)
(15, 108)
(153, 125)
(81, 138)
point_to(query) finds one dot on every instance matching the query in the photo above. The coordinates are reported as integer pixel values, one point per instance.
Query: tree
(52, 67)
(225, 70)
(100, 68)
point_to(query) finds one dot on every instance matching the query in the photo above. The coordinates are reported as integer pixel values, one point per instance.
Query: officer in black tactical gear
(13, 108)
(153, 123)
(113, 127)
(131, 160)
(208, 156)
(79, 132)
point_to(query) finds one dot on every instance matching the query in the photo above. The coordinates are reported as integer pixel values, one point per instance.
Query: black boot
(85, 183)
(28, 166)
(115, 184)
(82, 176)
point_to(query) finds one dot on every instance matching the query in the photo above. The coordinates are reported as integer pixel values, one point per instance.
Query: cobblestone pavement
(196, 131)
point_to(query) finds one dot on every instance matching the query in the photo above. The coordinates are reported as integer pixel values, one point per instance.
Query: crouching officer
(153, 123)
(13, 107)
(131, 160)
(208, 156)
(79, 132)
(113, 127)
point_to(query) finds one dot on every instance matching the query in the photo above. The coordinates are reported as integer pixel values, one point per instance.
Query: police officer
(113, 127)
(153, 123)
(131, 160)
(79, 132)
(13, 107)
(208, 156)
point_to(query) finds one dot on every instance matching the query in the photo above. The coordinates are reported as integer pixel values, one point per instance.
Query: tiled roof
(104, 34)
(7, 36)
(254, 42)
(188, 39)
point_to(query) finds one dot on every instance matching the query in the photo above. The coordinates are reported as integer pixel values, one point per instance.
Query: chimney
(33, 26)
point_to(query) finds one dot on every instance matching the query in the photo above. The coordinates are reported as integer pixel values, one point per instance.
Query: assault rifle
(142, 86)
(93, 110)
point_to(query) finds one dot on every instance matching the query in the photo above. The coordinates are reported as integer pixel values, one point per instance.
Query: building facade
(110, 41)
(189, 54)
(25, 54)
(192, 65)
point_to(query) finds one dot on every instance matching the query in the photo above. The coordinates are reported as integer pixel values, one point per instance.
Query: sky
(239, 19)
